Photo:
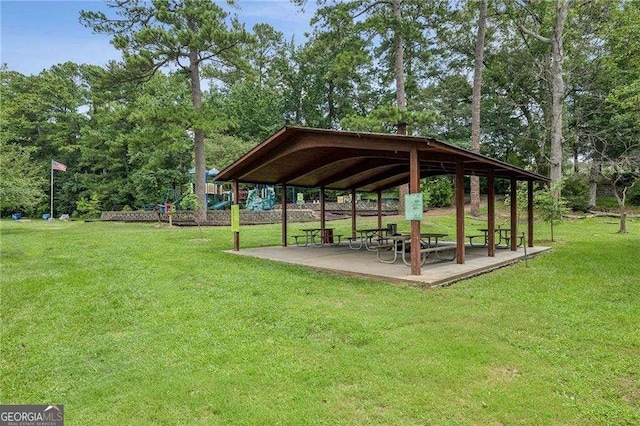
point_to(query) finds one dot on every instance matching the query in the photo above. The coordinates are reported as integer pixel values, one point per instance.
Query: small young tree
(623, 172)
(191, 202)
(88, 208)
(550, 205)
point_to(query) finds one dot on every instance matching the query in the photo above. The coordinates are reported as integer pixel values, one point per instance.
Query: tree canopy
(195, 88)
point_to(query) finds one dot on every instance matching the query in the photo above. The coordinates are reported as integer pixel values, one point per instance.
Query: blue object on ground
(46, 216)
(16, 216)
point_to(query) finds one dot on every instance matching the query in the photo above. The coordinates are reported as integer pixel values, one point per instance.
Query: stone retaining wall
(306, 212)
(214, 217)
(605, 191)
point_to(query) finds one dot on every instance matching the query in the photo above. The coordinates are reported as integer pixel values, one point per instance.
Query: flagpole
(51, 212)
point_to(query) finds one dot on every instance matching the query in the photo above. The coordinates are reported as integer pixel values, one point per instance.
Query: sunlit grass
(139, 324)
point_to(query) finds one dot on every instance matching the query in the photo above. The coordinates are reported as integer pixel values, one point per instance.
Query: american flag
(58, 166)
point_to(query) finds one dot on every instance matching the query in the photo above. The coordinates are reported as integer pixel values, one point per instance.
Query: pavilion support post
(379, 209)
(353, 213)
(514, 214)
(323, 219)
(460, 213)
(236, 200)
(530, 213)
(414, 187)
(284, 215)
(491, 215)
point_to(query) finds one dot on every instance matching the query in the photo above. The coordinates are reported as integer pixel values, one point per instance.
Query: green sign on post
(235, 218)
(413, 206)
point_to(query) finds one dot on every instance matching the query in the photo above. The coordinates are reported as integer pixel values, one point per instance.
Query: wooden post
(460, 212)
(284, 215)
(491, 214)
(530, 213)
(514, 214)
(236, 200)
(322, 213)
(379, 209)
(353, 213)
(414, 187)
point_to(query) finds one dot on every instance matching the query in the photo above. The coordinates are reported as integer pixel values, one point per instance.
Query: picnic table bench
(504, 238)
(366, 238)
(398, 245)
(325, 236)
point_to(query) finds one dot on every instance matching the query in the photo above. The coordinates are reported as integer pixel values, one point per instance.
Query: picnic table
(504, 238)
(366, 236)
(401, 244)
(317, 237)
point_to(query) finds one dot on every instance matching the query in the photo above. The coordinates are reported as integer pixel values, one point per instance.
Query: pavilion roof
(307, 157)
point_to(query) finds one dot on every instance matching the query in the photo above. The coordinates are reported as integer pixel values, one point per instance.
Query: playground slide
(221, 205)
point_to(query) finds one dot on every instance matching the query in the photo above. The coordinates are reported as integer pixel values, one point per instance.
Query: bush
(633, 194)
(438, 192)
(88, 209)
(576, 192)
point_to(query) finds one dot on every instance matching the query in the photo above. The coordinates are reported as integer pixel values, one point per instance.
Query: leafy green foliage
(550, 205)
(21, 184)
(576, 193)
(88, 209)
(128, 131)
(633, 194)
(438, 192)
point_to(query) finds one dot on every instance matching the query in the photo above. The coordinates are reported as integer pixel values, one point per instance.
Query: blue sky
(35, 35)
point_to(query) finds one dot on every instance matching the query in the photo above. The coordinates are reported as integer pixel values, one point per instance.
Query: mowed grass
(145, 324)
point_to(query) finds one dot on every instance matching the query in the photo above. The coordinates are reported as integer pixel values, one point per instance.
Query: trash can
(392, 228)
(327, 236)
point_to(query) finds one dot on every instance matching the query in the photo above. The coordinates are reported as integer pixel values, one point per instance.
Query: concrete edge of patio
(344, 261)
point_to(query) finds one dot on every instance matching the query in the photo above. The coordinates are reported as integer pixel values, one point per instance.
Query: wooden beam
(353, 213)
(514, 214)
(322, 211)
(284, 215)
(379, 209)
(530, 213)
(236, 200)
(414, 187)
(491, 215)
(460, 258)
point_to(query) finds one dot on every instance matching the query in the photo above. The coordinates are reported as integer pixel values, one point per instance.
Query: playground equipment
(219, 196)
(261, 198)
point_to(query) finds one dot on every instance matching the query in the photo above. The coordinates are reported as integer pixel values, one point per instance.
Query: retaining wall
(306, 212)
(214, 217)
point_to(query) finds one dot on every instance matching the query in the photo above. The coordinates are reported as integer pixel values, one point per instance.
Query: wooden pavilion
(373, 162)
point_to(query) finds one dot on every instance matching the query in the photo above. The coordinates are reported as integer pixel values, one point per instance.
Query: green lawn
(140, 324)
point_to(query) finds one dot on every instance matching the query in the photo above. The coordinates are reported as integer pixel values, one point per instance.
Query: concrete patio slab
(344, 260)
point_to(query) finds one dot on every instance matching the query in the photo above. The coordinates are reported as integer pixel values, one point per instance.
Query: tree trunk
(198, 137)
(557, 95)
(401, 98)
(621, 199)
(475, 104)
(623, 222)
(331, 105)
(594, 173)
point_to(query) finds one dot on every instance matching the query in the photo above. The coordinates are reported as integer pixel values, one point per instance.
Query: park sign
(413, 206)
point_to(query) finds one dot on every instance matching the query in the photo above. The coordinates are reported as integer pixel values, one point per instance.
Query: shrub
(576, 192)
(88, 208)
(438, 191)
(633, 194)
